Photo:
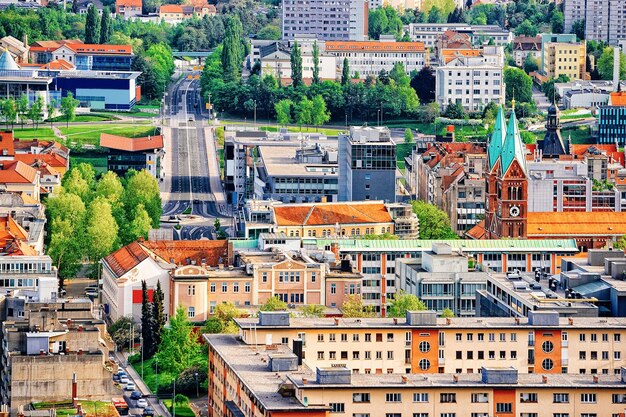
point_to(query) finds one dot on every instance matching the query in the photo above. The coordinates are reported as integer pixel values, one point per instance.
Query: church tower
(552, 144)
(507, 182)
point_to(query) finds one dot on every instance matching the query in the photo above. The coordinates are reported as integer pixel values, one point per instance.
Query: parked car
(135, 395)
(91, 293)
(148, 411)
(130, 386)
(124, 380)
(142, 403)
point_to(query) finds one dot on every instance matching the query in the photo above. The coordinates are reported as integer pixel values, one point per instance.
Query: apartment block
(612, 121)
(603, 19)
(341, 20)
(472, 81)
(430, 33)
(275, 59)
(442, 280)
(367, 164)
(524, 46)
(421, 343)
(563, 55)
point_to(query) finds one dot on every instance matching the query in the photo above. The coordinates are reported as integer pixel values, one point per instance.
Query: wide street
(191, 190)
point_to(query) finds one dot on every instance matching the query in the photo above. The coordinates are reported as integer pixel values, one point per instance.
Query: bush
(135, 358)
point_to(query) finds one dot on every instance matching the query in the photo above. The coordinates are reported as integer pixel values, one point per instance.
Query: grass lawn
(90, 134)
(91, 117)
(145, 106)
(150, 377)
(182, 410)
(28, 133)
(326, 131)
(137, 113)
(99, 163)
(97, 407)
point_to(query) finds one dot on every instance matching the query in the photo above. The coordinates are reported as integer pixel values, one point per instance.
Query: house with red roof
(87, 57)
(128, 8)
(133, 153)
(176, 13)
(20, 178)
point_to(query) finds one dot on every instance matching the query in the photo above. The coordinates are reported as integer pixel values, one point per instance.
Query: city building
(367, 165)
(442, 280)
(176, 13)
(472, 81)
(524, 46)
(29, 215)
(603, 20)
(128, 9)
(51, 349)
(562, 54)
(368, 58)
(429, 33)
(17, 48)
(19, 178)
(133, 153)
(84, 57)
(612, 121)
(344, 20)
(151, 261)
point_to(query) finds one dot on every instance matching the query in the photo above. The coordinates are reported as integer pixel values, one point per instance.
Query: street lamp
(130, 341)
(197, 391)
(255, 113)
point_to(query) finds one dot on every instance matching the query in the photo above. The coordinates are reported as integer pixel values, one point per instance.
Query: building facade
(367, 165)
(563, 55)
(429, 33)
(612, 121)
(525, 46)
(133, 153)
(342, 20)
(603, 20)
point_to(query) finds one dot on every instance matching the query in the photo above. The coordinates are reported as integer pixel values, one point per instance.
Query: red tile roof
(184, 252)
(125, 259)
(374, 46)
(319, 214)
(576, 224)
(131, 144)
(6, 144)
(47, 46)
(59, 64)
(171, 8)
(128, 3)
(478, 231)
(52, 159)
(17, 172)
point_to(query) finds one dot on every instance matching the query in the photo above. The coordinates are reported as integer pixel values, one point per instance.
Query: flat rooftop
(442, 323)
(280, 161)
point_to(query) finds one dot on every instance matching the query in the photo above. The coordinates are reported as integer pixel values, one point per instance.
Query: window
(481, 337)
(361, 397)
(320, 337)
(344, 337)
(356, 355)
(331, 337)
(191, 290)
(547, 364)
(393, 415)
(619, 398)
(560, 415)
(547, 346)
(459, 354)
(355, 337)
(368, 354)
(447, 415)
(424, 346)
(482, 397)
(264, 277)
(616, 337)
(235, 287)
(389, 337)
(588, 398)
(581, 337)
(504, 408)
(447, 397)
(588, 415)
(320, 355)
(420, 397)
(191, 312)
(420, 414)
(333, 288)
(212, 287)
(337, 407)
(332, 355)
(594, 337)
(424, 364)
(379, 354)
(368, 337)
(390, 354)
(224, 287)
(617, 355)
(560, 398)
(528, 397)
(393, 397)
(458, 336)
(246, 287)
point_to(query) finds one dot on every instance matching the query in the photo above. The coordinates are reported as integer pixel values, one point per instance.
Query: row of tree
(14, 111)
(89, 218)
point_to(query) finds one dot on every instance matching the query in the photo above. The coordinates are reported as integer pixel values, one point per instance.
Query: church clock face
(514, 211)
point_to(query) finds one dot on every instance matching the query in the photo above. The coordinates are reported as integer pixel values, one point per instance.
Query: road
(192, 185)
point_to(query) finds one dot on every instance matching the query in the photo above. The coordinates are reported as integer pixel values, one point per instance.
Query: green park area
(90, 134)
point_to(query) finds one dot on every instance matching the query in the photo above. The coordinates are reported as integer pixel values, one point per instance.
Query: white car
(142, 403)
(124, 380)
(130, 386)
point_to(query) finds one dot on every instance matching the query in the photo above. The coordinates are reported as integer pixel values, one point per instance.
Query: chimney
(395, 321)
(448, 321)
(336, 321)
(305, 381)
(455, 378)
(571, 321)
(334, 248)
(404, 379)
(517, 320)
(616, 56)
(74, 388)
(595, 379)
(544, 379)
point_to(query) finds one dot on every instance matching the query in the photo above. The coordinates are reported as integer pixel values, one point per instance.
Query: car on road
(124, 380)
(92, 292)
(135, 395)
(130, 386)
(142, 403)
(62, 292)
(148, 411)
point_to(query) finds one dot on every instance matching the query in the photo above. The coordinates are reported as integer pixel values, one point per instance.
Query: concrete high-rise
(332, 20)
(604, 19)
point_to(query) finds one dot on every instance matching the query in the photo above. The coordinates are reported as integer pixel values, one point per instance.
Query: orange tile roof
(45, 146)
(46, 46)
(374, 46)
(6, 144)
(125, 259)
(478, 231)
(576, 224)
(12, 237)
(51, 159)
(128, 3)
(58, 64)
(17, 172)
(618, 99)
(131, 144)
(331, 213)
(171, 8)
(182, 252)
(449, 54)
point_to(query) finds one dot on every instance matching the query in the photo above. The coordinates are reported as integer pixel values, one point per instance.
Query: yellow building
(274, 381)
(423, 343)
(564, 58)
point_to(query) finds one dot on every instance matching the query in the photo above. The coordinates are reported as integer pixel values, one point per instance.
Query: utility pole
(255, 113)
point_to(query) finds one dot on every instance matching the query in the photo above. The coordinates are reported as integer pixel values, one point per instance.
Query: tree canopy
(403, 302)
(434, 223)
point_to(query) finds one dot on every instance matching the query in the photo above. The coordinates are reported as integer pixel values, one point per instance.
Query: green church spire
(513, 147)
(497, 139)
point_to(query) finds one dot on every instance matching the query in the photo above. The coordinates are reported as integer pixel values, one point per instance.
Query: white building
(31, 277)
(472, 81)
(479, 34)
(399, 5)
(275, 59)
(329, 20)
(585, 94)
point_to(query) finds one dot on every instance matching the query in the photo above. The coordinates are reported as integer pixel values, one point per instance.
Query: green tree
(106, 26)
(519, 85)
(403, 302)
(434, 223)
(120, 331)
(52, 109)
(312, 310)
(22, 108)
(269, 32)
(454, 111)
(232, 49)
(74, 183)
(319, 113)
(530, 64)
(435, 15)
(296, 65)
(447, 313)
(68, 106)
(304, 112)
(140, 224)
(159, 315)
(222, 320)
(92, 26)
(424, 84)
(142, 188)
(65, 248)
(283, 111)
(316, 63)
(101, 230)
(605, 64)
(110, 187)
(9, 111)
(353, 307)
(274, 304)
(147, 322)
(557, 21)
(377, 23)
(408, 135)
(179, 347)
(578, 27)
(35, 112)
(345, 72)
(526, 28)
